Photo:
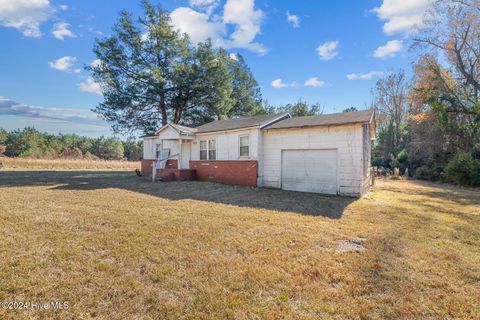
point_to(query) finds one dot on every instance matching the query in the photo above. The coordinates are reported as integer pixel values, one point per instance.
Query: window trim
(240, 146)
(207, 143)
(158, 150)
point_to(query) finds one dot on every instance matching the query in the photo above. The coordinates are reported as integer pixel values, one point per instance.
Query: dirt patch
(351, 245)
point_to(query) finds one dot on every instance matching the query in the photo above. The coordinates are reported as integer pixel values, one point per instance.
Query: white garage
(327, 154)
(310, 170)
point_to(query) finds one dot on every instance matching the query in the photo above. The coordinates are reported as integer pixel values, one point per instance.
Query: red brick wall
(171, 164)
(176, 175)
(242, 172)
(147, 166)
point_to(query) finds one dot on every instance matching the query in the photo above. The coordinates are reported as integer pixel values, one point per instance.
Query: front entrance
(185, 155)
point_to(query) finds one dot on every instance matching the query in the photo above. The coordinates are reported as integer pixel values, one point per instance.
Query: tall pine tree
(150, 74)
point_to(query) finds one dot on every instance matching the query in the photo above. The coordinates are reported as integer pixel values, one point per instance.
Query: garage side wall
(367, 155)
(346, 139)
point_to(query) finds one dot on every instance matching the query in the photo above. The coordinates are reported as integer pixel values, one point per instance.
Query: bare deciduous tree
(452, 41)
(390, 102)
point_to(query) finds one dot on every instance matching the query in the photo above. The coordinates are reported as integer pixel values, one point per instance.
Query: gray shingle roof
(240, 123)
(324, 120)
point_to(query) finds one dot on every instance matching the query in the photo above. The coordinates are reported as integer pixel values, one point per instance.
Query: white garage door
(310, 171)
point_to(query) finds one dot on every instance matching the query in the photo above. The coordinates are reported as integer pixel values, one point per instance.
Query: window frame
(240, 145)
(158, 150)
(208, 149)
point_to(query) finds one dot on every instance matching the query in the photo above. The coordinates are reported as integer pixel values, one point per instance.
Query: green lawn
(115, 246)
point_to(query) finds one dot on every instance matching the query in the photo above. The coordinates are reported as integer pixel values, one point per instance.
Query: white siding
(346, 139)
(168, 137)
(149, 148)
(228, 144)
(168, 133)
(172, 145)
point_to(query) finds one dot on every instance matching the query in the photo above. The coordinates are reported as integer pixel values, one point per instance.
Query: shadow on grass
(242, 196)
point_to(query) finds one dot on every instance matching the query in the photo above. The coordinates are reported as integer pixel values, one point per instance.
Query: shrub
(475, 173)
(463, 169)
(109, 148)
(72, 153)
(90, 156)
(427, 173)
(2, 149)
(401, 161)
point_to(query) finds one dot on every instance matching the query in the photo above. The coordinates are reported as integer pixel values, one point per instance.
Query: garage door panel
(310, 170)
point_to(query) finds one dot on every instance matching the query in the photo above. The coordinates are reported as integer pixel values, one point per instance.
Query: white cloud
(205, 5)
(247, 21)
(63, 64)
(239, 14)
(328, 50)
(364, 76)
(10, 107)
(278, 84)
(63, 7)
(389, 49)
(25, 15)
(197, 25)
(402, 15)
(293, 19)
(61, 31)
(234, 56)
(314, 82)
(202, 3)
(78, 70)
(89, 85)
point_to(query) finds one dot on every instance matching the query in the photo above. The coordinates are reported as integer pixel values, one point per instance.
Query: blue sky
(330, 52)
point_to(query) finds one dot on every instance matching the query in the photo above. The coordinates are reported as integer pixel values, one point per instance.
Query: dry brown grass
(117, 247)
(25, 163)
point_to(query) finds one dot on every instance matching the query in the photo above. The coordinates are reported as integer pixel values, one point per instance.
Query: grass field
(118, 247)
(66, 164)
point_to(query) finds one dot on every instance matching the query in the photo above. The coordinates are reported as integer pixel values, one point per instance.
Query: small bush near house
(401, 161)
(426, 172)
(463, 169)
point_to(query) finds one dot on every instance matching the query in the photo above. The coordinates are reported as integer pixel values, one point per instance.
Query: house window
(244, 146)
(212, 150)
(203, 150)
(208, 150)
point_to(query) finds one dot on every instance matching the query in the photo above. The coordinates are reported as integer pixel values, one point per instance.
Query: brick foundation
(147, 166)
(170, 173)
(176, 174)
(241, 172)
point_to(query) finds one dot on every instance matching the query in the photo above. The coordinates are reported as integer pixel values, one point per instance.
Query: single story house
(327, 154)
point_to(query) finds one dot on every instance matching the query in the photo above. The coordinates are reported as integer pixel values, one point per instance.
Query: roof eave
(226, 130)
(319, 125)
(275, 120)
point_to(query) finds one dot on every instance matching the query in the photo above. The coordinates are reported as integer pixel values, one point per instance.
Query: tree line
(430, 124)
(31, 143)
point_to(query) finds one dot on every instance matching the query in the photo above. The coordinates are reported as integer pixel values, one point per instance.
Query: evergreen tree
(150, 74)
